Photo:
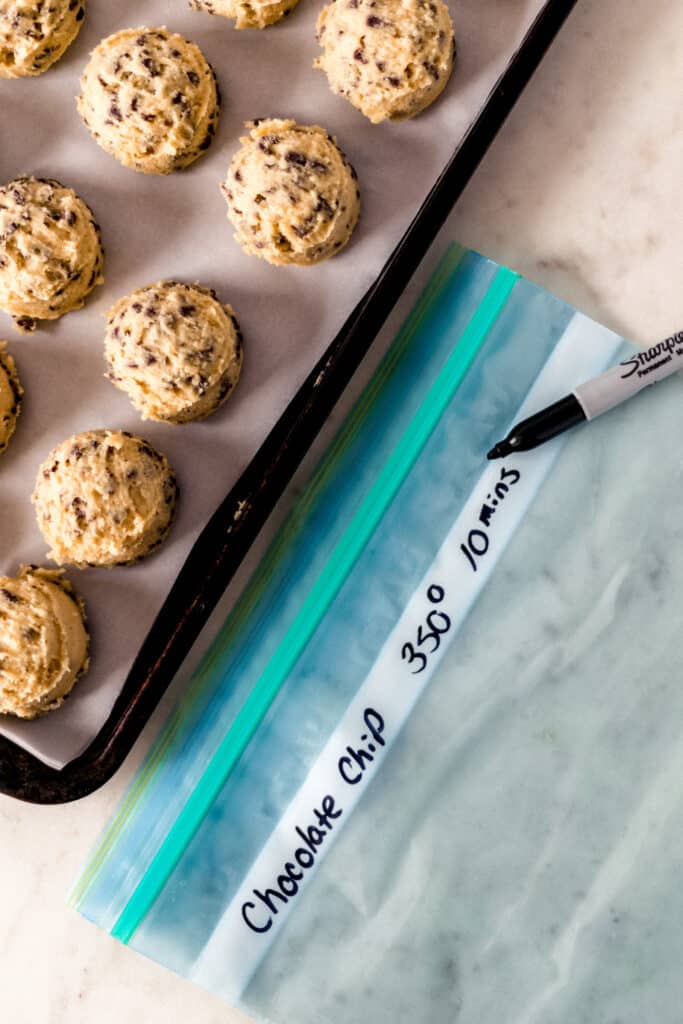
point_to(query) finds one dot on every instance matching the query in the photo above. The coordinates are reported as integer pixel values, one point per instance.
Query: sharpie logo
(658, 354)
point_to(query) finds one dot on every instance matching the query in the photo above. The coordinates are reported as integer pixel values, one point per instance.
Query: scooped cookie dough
(389, 58)
(11, 394)
(150, 98)
(247, 13)
(104, 498)
(292, 195)
(51, 254)
(43, 641)
(174, 349)
(35, 33)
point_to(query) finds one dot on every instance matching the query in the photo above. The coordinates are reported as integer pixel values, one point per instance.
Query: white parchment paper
(175, 226)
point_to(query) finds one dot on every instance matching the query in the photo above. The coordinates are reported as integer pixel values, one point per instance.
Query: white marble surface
(580, 192)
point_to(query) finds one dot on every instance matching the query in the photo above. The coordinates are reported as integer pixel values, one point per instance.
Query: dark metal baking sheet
(225, 541)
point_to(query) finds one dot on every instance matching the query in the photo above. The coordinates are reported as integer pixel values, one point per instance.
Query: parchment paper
(156, 227)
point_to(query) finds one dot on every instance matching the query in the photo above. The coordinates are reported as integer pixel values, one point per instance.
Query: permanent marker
(595, 397)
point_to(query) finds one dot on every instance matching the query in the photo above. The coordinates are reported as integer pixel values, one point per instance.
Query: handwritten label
(478, 538)
(263, 905)
(336, 781)
(431, 631)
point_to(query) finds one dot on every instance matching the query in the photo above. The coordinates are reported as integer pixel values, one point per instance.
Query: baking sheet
(156, 227)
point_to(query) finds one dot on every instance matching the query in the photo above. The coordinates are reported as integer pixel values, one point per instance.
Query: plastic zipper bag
(377, 786)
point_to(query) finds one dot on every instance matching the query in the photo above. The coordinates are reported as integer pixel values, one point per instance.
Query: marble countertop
(579, 192)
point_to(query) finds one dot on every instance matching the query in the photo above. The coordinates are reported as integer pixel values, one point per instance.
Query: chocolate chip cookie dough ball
(51, 254)
(35, 33)
(43, 641)
(174, 349)
(389, 58)
(247, 13)
(150, 98)
(11, 394)
(292, 195)
(104, 498)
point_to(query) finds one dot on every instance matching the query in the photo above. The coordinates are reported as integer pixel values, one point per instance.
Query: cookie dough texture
(174, 349)
(50, 250)
(389, 58)
(104, 498)
(43, 641)
(292, 195)
(11, 394)
(247, 13)
(35, 33)
(150, 98)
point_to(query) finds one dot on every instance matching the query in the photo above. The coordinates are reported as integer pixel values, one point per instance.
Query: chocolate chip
(187, 310)
(325, 208)
(266, 142)
(318, 165)
(193, 77)
(9, 596)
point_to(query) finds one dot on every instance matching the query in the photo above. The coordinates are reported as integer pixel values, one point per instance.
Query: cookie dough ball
(247, 13)
(390, 58)
(35, 33)
(292, 195)
(150, 98)
(43, 641)
(104, 498)
(174, 349)
(11, 394)
(51, 254)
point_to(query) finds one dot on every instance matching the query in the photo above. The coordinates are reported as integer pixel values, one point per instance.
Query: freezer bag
(431, 767)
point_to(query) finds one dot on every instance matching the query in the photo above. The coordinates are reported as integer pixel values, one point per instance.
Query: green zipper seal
(446, 269)
(315, 606)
